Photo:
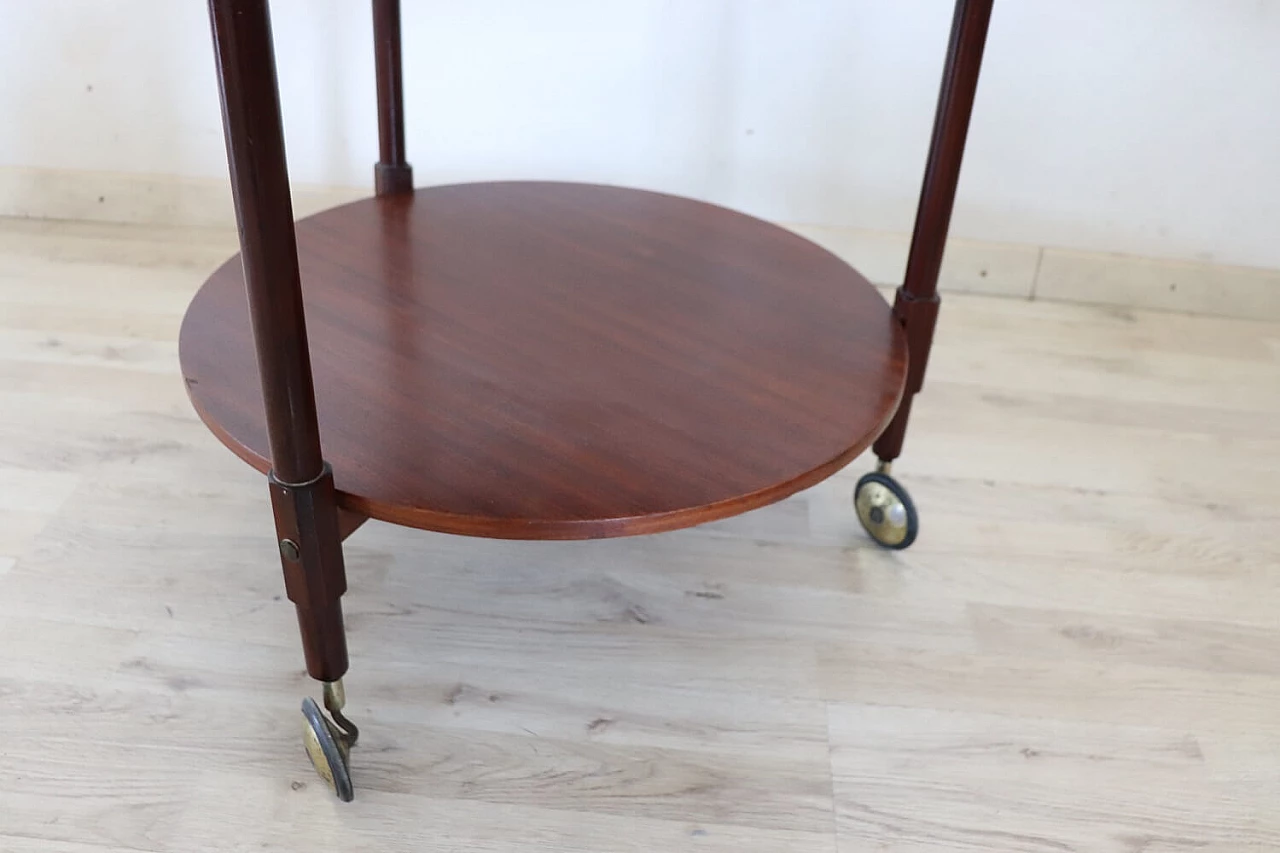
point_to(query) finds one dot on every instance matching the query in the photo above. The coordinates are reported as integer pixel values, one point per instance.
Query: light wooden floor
(1081, 653)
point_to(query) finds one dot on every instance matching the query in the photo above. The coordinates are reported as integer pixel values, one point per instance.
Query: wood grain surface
(560, 361)
(1080, 653)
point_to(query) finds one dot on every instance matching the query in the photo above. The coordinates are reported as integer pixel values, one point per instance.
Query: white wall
(1142, 126)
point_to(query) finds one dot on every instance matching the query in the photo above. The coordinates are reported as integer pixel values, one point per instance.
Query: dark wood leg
(314, 577)
(301, 484)
(916, 303)
(392, 174)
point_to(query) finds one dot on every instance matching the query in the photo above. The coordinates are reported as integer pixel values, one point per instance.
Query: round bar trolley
(529, 360)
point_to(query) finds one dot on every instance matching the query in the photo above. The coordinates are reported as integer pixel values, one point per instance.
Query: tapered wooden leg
(883, 506)
(308, 530)
(916, 302)
(302, 494)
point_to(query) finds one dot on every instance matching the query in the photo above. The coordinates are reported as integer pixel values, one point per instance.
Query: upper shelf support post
(916, 302)
(392, 174)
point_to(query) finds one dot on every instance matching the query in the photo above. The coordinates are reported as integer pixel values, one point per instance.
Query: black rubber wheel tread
(333, 754)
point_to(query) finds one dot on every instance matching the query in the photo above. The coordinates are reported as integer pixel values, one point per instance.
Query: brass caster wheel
(329, 742)
(885, 510)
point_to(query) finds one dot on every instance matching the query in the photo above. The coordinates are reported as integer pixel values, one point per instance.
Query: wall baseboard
(137, 199)
(971, 266)
(1066, 275)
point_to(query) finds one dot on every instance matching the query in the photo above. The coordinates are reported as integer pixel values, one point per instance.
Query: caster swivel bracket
(328, 741)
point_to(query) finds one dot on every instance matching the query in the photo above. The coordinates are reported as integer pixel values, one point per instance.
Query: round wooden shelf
(562, 361)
